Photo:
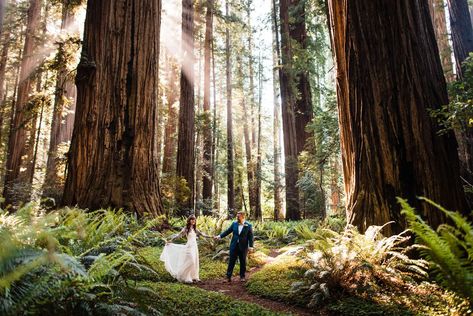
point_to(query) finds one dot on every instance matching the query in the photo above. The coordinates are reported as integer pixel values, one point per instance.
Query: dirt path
(237, 290)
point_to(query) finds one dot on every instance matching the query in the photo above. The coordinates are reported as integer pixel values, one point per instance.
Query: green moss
(359, 307)
(274, 281)
(180, 299)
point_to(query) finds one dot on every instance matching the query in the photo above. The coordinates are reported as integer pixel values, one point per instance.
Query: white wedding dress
(182, 261)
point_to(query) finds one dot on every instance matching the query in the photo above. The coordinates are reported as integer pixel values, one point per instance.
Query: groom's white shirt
(240, 227)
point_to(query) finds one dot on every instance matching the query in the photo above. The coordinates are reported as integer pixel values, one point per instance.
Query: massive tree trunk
(230, 162)
(388, 76)
(437, 13)
(64, 112)
(207, 157)
(288, 97)
(186, 136)
(113, 153)
(462, 31)
(17, 138)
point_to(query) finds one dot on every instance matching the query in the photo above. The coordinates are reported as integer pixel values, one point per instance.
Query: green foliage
(355, 263)
(68, 261)
(458, 114)
(449, 249)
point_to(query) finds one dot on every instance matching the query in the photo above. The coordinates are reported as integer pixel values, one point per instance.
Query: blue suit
(239, 246)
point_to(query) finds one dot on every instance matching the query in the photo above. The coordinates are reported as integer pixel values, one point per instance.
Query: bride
(182, 261)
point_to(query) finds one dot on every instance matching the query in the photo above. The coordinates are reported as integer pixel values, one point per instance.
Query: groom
(242, 241)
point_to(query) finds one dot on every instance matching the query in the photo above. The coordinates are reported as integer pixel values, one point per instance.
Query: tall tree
(113, 154)
(390, 144)
(278, 207)
(64, 107)
(207, 170)
(462, 31)
(18, 136)
(186, 129)
(170, 129)
(303, 104)
(230, 153)
(437, 12)
(288, 99)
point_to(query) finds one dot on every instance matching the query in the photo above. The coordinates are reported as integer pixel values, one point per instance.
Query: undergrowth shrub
(449, 248)
(355, 263)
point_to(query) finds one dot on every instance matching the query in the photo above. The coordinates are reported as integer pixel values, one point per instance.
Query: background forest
(342, 128)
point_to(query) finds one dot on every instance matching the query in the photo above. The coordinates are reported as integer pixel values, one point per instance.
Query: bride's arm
(179, 235)
(199, 233)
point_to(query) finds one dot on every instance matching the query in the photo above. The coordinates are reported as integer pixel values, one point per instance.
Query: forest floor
(238, 290)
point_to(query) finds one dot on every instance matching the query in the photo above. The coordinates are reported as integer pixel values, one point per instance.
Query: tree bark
(303, 103)
(207, 157)
(462, 32)
(170, 130)
(63, 115)
(386, 82)
(18, 136)
(288, 98)
(278, 207)
(230, 162)
(186, 134)
(113, 154)
(437, 13)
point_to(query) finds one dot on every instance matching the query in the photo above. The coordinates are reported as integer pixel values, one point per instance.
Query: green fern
(449, 249)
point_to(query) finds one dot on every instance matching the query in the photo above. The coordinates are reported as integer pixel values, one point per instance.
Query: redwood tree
(14, 181)
(388, 75)
(207, 168)
(113, 154)
(230, 153)
(64, 109)
(462, 31)
(288, 99)
(186, 134)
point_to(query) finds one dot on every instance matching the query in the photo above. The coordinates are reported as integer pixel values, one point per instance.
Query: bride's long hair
(189, 225)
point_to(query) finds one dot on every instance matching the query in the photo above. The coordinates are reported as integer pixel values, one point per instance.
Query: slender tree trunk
(186, 134)
(3, 67)
(390, 145)
(230, 162)
(462, 31)
(17, 137)
(215, 137)
(303, 103)
(437, 12)
(113, 153)
(170, 130)
(288, 98)
(278, 203)
(207, 159)
(250, 163)
(462, 38)
(63, 115)
(258, 212)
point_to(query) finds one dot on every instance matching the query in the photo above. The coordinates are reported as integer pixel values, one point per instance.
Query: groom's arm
(227, 232)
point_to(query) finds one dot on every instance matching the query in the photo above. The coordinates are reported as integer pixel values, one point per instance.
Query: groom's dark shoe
(229, 279)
